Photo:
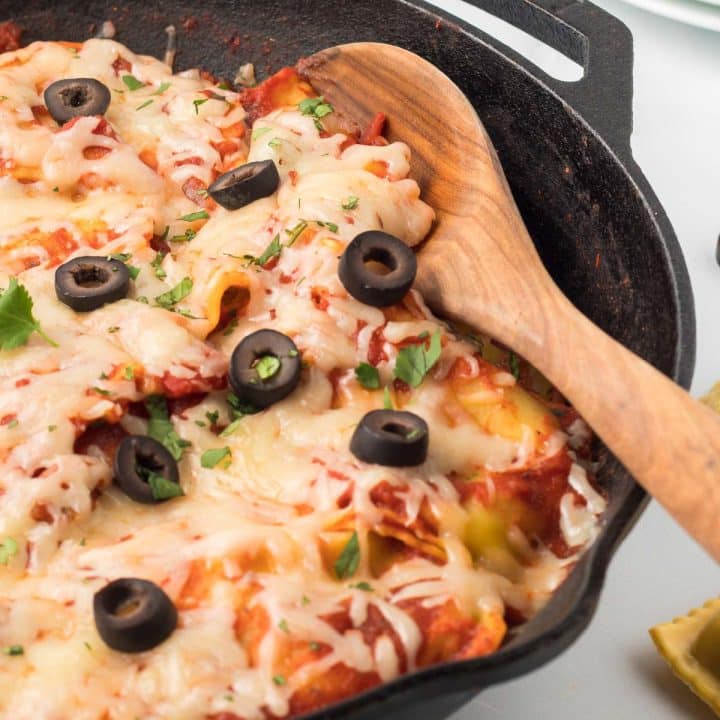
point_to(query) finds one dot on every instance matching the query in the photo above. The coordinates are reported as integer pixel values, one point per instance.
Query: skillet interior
(593, 227)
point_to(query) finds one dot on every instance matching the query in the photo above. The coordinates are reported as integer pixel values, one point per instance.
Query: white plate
(704, 14)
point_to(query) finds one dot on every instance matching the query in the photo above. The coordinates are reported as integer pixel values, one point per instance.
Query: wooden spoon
(480, 266)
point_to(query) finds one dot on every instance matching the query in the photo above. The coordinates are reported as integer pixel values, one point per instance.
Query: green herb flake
(156, 265)
(198, 103)
(273, 250)
(368, 376)
(8, 550)
(82, 542)
(229, 698)
(296, 232)
(129, 372)
(142, 299)
(17, 322)
(210, 458)
(279, 680)
(201, 423)
(350, 203)
(132, 83)
(387, 399)
(160, 486)
(187, 236)
(200, 215)
(347, 563)
(163, 87)
(414, 362)
(259, 132)
(120, 257)
(275, 143)
(133, 271)
(213, 417)
(160, 427)
(231, 326)
(14, 650)
(87, 645)
(267, 367)
(305, 600)
(145, 104)
(514, 363)
(169, 299)
(231, 428)
(113, 329)
(331, 226)
(101, 391)
(56, 189)
(13, 423)
(52, 428)
(284, 626)
(364, 586)
(317, 108)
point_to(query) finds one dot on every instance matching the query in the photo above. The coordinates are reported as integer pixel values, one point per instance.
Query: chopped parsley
(161, 429)
(514, 364)
(52, 428)
(210, 458)
(101, 391)
(14, 650)
(113, 329)
(331, 226)
(8, 550)
(156, 265)
(160, 486)
(238, 412)
(56, 189)
(230, 327)
(414, 362)
(284, 626)
(172, 297)
(13, 423)
(163, 87)
(198, 103)
(368, 376)
(17, 322)
(305, 600)
(129, 372)
(275, 143)
(199, 215)
(347, 563)
(132, 83)
(145, 104)
(279, 680)
(142, 299)
(267, 366)
(351, 203)
(213, 416)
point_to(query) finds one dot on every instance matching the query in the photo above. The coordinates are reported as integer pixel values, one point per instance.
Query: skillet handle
(593, 38)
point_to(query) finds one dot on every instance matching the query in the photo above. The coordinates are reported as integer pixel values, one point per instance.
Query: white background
(613, 672)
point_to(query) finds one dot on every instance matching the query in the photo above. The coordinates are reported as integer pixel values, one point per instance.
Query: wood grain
(479, 265)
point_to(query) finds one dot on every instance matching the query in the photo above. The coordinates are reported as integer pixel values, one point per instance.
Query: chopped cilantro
(213, 416)
(514, 363)
(200, 423)
(17, 322)
(296, 232)
(132, 83)
(113, 328)
(414, 362)
(172, 297)
(56, 189)
(8, 549)
(187, 236)
(331, 226)
(259, 132)
(13, 423)
(145, 104)
(52, 428)
(156, 265)
(279, 680)
(275, 143)
(267, 366)
(101, 391)
(13, 650)
(387, 399)
(367, 587)
(305, 600)
(160, 427)
(271, 251)
(284, 626)
(198, 103)
(347, 563)
(351, 203)
(129, 372)
(317, 108)
(368, 376)
(142, 299)
(210, 458)
(232, 427)
(163, 87)
(160, 486)
(230, 327)
(199, 215)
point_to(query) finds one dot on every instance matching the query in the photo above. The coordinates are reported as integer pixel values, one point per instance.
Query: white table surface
(613, 672)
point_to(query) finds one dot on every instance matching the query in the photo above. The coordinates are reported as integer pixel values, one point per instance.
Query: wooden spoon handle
(666, 439)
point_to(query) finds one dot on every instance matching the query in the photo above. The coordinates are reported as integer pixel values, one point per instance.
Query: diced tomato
(121, 66)
(376, 352)
(373, 133)
(104, 436)
(282, 89)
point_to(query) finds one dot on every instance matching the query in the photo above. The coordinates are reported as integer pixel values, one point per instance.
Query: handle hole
(547, 58)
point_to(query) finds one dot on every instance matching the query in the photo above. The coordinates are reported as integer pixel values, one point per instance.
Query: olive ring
(87, 283)
(264, 368)
(393, 438)
(359, 272)
(245, 184)
(133, 615)
(136, 457)
(73, 97)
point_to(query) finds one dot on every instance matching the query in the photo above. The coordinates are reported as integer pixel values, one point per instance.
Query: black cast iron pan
(565, 148)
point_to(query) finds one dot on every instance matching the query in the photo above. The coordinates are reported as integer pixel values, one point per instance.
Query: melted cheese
(250, 536)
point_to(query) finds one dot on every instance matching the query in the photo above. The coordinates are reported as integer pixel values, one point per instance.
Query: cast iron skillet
(565, 148)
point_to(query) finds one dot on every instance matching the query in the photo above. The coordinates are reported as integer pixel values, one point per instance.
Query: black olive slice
(391, 437)
(88, 283)
(137, 459)
(133, 615)
(264, 368)
(245, 184)
(66, 99)
(377, 269)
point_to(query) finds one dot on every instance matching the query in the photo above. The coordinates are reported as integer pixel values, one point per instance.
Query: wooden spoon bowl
(479, 265)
